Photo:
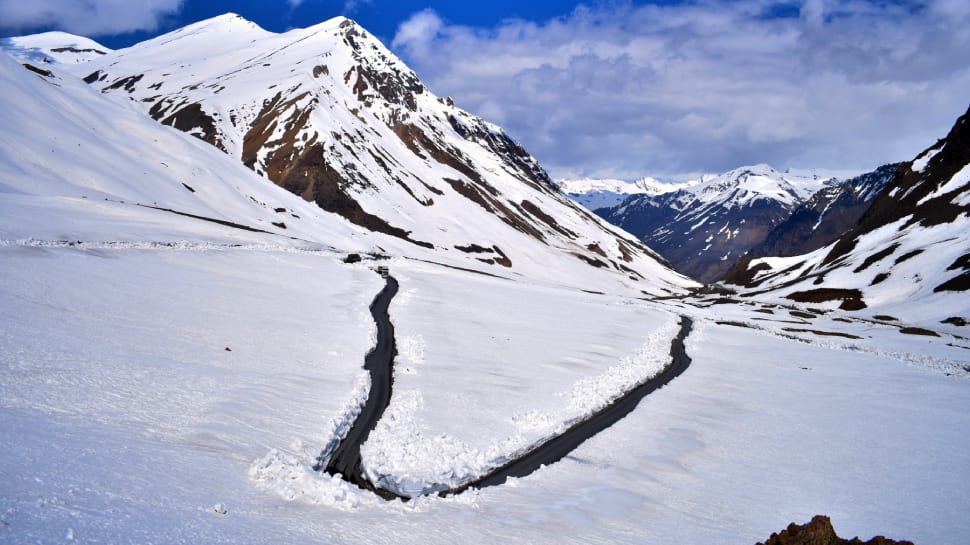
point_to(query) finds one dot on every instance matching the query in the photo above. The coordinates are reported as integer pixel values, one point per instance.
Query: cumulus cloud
(87, 17)
(618, 90)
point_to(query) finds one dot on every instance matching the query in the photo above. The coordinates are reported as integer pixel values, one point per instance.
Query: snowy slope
(126, 420)
(330, 114)
(53, 47)
(76, 166)
(906, 257)
(706, 227)
(603, 193)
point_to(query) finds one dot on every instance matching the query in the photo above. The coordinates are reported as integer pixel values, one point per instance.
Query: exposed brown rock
(530, 208)
(958, 283)
(826, 216)
(316, 180)
(494, 206)
(281, 154)
(918, 331)
(820, 532)
(743, 274)
(39, 71)
(187, 118)
(821, 333)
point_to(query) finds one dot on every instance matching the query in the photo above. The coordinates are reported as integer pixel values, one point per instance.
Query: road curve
(345, 460)
(559, 446)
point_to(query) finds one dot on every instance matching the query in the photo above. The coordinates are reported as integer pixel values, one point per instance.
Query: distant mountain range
(826, 215)
(604, 193)
(705, 227)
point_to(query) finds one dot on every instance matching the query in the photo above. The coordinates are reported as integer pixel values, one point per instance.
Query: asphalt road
(345, 460)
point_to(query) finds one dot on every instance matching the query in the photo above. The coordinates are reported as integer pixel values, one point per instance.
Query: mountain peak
(226, 21)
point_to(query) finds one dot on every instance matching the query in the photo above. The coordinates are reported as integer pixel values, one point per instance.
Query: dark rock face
(820, 532)
(826, 215)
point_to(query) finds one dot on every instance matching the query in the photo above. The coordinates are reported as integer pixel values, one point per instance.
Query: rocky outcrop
(819, 531)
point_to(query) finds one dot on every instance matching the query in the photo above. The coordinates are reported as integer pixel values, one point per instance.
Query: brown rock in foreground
(820, 532)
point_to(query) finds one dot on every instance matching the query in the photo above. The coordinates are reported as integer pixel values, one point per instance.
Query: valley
(267, 287)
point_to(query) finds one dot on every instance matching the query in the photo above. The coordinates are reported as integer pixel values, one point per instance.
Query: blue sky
(381, 18)
(613, 88)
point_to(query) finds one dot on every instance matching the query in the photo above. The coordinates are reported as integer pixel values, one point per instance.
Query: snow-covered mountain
(328, 113)
(594, 193)
(828, 214)
(908, 255)
(705, 228)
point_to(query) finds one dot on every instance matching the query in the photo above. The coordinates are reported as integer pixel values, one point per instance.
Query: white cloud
(87, 17)
(350, 6)
(418, 32)
(626, 91)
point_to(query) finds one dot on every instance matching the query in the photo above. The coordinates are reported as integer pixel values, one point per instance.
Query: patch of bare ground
(918, 331)
(821, 333)
(734, 324)
(851, 299)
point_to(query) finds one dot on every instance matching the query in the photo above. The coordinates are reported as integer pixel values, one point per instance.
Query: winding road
(345, 460)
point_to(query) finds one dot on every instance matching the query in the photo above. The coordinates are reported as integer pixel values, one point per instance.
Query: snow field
(212, 358)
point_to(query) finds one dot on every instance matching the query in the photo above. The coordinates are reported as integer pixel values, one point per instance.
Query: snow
(907, 292)
(919, 164)
(960, 179)
(57, 47)
(745, 441)
(233, 67)
(733, 189)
